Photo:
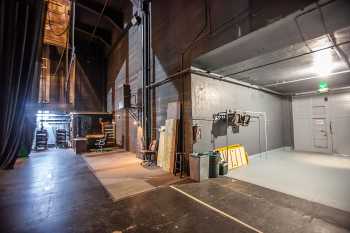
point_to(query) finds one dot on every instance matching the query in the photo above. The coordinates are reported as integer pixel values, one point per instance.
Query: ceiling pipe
(286, 59)
(211, 75)
(233, 81)
(169, 79)
(315, 92)
(305, 79)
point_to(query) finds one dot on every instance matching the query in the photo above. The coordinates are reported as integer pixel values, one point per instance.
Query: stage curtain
(21, 26)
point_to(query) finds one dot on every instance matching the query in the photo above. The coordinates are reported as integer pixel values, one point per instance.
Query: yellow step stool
(235, 155)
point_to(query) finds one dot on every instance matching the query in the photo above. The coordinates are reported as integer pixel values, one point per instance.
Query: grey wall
(338, 108)
(211, 96)
(181, 31)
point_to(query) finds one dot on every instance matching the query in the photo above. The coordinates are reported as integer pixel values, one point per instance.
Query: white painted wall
(302, 123)
(212, 96)
(338, 122)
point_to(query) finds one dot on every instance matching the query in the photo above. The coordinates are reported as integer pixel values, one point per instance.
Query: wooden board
(161, 147)
(57, 22)
(139, 136)
(170, 144)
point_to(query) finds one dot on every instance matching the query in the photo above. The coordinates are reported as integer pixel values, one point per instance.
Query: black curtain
(21, 26)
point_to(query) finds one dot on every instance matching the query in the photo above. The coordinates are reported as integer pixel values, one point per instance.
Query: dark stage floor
(56, 192)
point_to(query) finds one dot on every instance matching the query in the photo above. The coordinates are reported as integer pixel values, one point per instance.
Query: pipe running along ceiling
(291, 55)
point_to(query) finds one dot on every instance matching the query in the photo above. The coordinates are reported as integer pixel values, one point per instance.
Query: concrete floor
(122, 175)
(55, 191)
(316, 177)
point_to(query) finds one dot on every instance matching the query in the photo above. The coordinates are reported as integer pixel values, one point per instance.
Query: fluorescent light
(323, 64)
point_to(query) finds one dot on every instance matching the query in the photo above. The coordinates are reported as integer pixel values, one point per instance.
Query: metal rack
(41, 137)
(55, 123)
(108, 129)
(61, 138)
(257, 115)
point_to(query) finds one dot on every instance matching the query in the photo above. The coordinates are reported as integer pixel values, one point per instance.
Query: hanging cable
(99, 19)
(59, 62)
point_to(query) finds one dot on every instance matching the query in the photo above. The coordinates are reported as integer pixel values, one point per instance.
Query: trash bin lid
(199, 155)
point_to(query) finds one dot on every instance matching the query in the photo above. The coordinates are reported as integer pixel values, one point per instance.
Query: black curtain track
(21, 25)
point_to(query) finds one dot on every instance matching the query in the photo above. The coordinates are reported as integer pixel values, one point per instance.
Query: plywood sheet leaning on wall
(171, 126)
(161, 146)
(139, 145)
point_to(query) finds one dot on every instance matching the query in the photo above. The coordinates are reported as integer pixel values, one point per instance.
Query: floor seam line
(215, 209)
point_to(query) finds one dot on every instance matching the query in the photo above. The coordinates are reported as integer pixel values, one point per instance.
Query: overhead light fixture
(323, 63)
(136, 20)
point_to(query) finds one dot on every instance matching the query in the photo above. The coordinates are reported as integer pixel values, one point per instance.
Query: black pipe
(237, 82)
(146, 55)
(169, 79)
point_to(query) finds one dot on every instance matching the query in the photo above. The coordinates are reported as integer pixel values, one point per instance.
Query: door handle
(324, 132)
(330, 128)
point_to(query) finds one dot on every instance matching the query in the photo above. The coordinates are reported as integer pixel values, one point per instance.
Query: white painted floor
(316, 177)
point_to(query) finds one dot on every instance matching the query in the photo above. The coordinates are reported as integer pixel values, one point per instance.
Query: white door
(339, 109)
(320, 134)
(321, 141)
(322, 123)
(311, 124)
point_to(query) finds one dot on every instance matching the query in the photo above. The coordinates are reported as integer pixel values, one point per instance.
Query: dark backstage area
(175, 116)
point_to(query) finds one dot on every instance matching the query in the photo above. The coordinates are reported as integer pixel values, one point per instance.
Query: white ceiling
(277, 53)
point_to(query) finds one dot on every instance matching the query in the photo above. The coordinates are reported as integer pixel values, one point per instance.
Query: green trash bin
(223, 168)
(214, 161)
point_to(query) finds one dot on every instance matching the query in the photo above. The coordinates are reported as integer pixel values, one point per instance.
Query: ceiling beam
(99, 18)
(93, 36)
(92, 11)
(106, 35)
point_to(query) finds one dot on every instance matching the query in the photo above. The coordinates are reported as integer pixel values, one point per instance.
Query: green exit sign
(323, 86)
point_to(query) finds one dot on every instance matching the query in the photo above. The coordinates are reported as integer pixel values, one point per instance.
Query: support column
(146, 66)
